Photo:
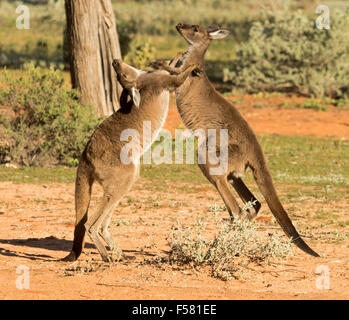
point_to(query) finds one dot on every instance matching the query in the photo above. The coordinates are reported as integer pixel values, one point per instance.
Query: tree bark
(93, 44)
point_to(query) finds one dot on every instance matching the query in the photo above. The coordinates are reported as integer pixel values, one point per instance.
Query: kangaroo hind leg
(253, 205)
(107, 237)
(221, 184)
(83, 188)
(115, 187)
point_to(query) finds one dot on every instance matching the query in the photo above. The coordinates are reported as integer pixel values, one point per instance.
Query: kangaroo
(202, 107)
(101, 159)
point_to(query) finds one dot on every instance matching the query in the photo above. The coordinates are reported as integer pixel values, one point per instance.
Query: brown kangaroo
(201, 106)
(101, 160)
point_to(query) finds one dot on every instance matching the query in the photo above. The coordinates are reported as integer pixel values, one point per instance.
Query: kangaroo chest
(194, 106)
(153, 124)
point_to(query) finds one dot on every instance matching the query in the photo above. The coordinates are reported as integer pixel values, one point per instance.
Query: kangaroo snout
(181, 26)
(116, 63)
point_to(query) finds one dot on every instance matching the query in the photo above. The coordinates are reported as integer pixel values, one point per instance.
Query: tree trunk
(93, 44)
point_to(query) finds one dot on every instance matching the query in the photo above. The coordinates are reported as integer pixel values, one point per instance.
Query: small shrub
(227, 253)
(287, 53)
(141, 56)
(217, 208)
(312, 104)
(45, 124)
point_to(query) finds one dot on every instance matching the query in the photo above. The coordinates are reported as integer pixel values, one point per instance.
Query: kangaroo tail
(83, 187)
(264, 181)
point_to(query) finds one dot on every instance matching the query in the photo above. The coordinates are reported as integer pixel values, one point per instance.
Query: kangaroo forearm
(169, 81)
(176, 59)
(173, 81)
(180, 78)
(173, 70)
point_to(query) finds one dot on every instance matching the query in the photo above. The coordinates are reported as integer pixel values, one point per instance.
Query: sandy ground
(37, 228)
(266, 117)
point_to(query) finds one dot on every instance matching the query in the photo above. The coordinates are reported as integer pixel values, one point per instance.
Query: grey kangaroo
(202, 107)
(101, 160)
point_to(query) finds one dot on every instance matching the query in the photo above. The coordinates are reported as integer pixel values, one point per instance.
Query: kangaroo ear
(136, 96)
(219, 34)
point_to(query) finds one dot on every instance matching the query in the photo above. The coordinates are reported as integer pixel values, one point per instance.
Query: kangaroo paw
(71, 257)
(159, 64)
(249, 214)
(117, 256)
(252, 210)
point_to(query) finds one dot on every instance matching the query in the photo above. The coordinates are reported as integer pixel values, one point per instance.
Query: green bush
(287, 53)
(141, 56)
(44, 123)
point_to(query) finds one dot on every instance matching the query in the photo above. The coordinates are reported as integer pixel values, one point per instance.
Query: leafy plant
(141, 56)
(233, 246)
(45, 124)
(287, 53)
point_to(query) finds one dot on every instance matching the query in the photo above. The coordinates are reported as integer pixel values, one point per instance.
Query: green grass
(37, 174)
(305, 171)
(173, 173)
(312, 104)
(308, 161)
(305, 161)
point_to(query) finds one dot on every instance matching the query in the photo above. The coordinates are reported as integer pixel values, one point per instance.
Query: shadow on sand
(50, 243)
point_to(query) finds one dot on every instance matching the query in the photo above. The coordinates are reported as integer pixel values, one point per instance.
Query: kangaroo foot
(71, 257)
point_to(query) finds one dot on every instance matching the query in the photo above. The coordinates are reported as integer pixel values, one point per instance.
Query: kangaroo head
(127, 76)
(197, 35)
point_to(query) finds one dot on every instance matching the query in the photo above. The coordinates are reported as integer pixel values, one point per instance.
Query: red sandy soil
(267, 117)
(37, 228)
